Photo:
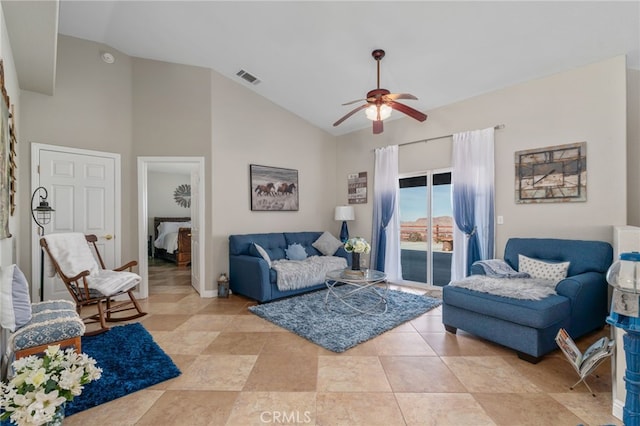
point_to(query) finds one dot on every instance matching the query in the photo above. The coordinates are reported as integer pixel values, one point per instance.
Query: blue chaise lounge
(530, 326)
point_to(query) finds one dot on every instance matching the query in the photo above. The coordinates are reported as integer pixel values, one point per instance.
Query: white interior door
(83, 189)
(195, 229)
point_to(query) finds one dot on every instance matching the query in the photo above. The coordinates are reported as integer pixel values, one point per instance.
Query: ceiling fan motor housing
(380, 99)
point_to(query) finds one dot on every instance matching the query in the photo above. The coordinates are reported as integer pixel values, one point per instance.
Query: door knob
(108, 237)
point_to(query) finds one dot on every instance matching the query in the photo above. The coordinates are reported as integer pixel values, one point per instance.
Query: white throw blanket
(516, 288)
(73, 255)
(296, 274)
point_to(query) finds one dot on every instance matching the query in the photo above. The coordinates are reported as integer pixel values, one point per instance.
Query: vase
(58, 417)
(355, 261)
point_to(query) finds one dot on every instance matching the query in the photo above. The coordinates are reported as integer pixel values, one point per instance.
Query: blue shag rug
(130, 361)
(337, 327)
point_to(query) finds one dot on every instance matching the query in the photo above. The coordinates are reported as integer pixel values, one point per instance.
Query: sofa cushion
(274, 244)
(305, 239)
(584, 256)
(295, 252)
(552, 271)
(538, 314)
(327, 244)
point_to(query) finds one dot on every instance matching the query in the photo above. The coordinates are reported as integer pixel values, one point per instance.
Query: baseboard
(618, 407)
(209, 293)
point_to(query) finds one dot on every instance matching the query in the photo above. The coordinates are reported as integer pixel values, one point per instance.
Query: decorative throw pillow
(327, 244)
(261, 252)
(15, 303)
(296, 252)
(543, 270)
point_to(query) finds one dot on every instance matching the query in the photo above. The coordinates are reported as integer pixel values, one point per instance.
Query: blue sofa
(250, 275)
(530, 326)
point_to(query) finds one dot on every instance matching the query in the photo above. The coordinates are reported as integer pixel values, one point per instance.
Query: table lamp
(344, 213)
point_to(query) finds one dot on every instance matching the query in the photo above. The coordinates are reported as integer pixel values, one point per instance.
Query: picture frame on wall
(273, 188)
(552, 174)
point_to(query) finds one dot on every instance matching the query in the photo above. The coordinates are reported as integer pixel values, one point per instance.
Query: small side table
(369, 281)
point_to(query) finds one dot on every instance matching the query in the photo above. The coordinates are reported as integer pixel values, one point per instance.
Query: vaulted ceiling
(311, 57)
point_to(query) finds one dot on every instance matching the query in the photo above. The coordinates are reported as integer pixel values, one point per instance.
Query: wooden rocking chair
(90, 284)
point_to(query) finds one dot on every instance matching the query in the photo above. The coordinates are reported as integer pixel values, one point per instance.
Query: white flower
(41, 385)
(357, 245)
(52, 350)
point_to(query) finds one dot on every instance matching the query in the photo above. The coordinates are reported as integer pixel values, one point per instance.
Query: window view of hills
(414, 234)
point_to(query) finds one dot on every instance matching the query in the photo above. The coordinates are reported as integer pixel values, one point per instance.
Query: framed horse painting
(273, 188)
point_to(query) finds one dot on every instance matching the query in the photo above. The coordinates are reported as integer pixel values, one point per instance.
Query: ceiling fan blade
(353, 102)
(396, 96)
(413, 113)
(377, 127)
(349, 114)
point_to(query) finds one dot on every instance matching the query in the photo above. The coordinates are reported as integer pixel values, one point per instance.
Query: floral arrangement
(357, 245)
(42, 384)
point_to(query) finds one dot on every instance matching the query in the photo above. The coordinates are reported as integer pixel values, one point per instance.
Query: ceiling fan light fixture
(372, 112)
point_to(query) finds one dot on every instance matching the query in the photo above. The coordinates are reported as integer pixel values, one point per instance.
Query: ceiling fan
(380, 102)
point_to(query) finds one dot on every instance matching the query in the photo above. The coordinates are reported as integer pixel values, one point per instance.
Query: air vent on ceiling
(248, 77)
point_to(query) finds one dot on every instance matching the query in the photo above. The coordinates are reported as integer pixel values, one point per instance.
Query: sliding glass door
(426, 227)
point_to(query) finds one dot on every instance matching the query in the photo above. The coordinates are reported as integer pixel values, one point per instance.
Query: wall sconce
(41, 216)
(344, 213)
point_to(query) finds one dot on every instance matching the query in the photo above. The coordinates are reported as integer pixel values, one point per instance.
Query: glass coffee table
(368, 288)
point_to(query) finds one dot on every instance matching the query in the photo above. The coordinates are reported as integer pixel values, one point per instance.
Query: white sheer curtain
(385, 236)
(473, 199)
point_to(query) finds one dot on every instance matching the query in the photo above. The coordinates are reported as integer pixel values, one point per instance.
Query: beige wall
(633, 147)
(172, 117)
(8, 253)
(248, 129)
(91, 109)
(8, 246)
(585, 104)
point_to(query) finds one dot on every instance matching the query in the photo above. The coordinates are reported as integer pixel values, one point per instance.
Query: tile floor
(238, 369)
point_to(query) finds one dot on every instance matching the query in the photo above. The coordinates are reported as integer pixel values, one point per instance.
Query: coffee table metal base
(372, 283)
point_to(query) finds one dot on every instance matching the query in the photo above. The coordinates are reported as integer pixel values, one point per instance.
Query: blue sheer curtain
(473, 199)
(385, 248)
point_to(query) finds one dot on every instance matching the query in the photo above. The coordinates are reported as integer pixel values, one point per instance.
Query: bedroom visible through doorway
(171, 217)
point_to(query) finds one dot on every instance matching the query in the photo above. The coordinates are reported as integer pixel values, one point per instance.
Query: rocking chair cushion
(111, 282)
(15, 303)
(72, 253)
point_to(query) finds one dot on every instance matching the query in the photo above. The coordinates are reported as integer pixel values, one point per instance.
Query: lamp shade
(345, 213)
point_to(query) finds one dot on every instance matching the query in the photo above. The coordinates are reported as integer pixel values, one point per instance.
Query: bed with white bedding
(172, 239)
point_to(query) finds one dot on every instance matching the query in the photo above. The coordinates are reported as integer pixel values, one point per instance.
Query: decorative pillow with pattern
(296, 252)
(542, 269)
(327, 244)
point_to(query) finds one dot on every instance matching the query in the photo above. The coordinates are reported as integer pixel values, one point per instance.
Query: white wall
(160, 201)
(585, 104)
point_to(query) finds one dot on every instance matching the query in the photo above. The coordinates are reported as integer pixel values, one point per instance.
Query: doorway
(195, 167)
(426, 227)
